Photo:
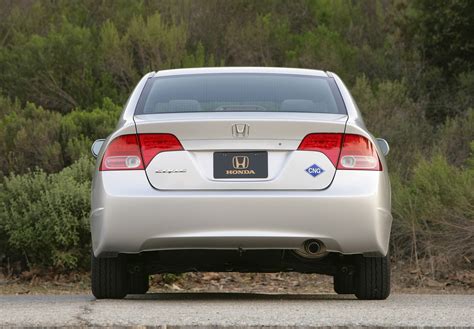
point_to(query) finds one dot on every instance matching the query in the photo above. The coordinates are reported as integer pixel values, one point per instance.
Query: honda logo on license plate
(240, 162)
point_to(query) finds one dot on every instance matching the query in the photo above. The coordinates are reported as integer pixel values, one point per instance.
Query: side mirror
(96, 146)
(383, 144)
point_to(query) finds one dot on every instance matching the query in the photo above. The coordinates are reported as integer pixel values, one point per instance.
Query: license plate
(240, 165)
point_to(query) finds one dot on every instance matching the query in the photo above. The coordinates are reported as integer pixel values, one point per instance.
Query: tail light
(329, 144)
(152, 144)
(346, 151)
(358, 153)
(135, 152)
(123, 153)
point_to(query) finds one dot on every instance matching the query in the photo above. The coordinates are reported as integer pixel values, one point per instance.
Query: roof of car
(213, 70)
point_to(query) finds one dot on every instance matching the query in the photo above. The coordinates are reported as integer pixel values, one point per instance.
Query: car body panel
(286, 171)
(351, 217)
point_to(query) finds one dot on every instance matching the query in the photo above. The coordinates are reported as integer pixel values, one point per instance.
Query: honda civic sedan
(245, 170)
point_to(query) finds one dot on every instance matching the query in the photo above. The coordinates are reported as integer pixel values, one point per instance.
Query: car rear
(240, 162)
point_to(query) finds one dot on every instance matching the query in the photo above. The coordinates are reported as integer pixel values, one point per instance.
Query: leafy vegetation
(45, 217)
(67, 65)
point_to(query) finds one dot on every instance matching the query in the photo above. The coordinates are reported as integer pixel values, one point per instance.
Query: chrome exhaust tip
(312, 249)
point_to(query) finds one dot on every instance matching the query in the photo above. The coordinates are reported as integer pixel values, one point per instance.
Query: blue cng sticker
(314, 170)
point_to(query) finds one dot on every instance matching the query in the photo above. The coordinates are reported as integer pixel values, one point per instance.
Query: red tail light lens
(152, 144)
(346, 151)
(123, 153)
(358, 153)
(327, 143)
(135, 152)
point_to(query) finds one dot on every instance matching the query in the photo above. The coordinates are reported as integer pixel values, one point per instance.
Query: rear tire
(372, 279)
(109, 278)
(344, 283)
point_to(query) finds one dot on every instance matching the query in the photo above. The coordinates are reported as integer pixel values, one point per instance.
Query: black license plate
(240, 165)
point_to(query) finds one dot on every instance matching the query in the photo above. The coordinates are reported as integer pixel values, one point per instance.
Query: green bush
(55, 70)
(390, 113)
(434, 214)
(44, 217)
(33, 137)
(455, 136)
(29, 138)
(80, 128)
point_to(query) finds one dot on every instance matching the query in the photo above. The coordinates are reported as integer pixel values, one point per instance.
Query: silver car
(241, 169)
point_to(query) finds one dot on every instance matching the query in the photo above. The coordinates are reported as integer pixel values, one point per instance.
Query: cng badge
(314, 170)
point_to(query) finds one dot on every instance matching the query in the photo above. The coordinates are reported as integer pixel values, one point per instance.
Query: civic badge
(314, 170)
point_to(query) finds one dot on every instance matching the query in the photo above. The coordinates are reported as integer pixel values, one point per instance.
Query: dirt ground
(403, 281)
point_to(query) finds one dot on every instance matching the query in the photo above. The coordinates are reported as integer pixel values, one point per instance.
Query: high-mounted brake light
(346, 151)
(134, 152)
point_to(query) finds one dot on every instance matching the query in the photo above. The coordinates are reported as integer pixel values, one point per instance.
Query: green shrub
(44, 217)
(389, 113)
(80, 128)
(54, 70)
(325, 49)
(32, 137)
(29, 138)
(434, 214)
(454, 137)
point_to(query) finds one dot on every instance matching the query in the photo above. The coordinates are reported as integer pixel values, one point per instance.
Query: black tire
(372, 278)
(139, 283)
(344, 283)
(109, 278)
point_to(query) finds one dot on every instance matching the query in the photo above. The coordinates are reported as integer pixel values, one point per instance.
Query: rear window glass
(240, 92)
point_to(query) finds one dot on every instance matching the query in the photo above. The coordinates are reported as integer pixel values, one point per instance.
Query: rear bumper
(352, 216)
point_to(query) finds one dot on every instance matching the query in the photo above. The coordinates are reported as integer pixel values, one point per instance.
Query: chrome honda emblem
(240, 130)
(240, 162)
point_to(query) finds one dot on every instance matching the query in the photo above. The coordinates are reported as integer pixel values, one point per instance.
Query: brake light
(152, 144)
(358, 153)
(327, 143)
(135, 152)
(346, 151)
(123, 153)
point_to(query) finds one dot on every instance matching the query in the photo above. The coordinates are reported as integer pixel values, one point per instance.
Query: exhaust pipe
(312, 249)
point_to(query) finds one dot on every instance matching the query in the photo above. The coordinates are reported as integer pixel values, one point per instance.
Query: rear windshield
(240, 92)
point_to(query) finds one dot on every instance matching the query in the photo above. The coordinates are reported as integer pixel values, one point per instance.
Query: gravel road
(237, 309)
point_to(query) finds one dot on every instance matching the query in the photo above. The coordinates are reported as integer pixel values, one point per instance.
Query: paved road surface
(216, 309)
